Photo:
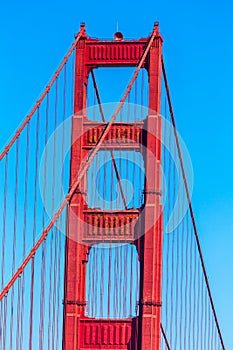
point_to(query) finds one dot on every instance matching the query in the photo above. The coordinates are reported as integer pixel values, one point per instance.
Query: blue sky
(198, 50)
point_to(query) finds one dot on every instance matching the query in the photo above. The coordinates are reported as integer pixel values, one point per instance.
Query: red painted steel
(113, 54)
(151, 266)
(79, 331)
(121, 135)
(127, 226)
(110, 226)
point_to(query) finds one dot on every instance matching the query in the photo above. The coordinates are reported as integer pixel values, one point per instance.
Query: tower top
(118, 36)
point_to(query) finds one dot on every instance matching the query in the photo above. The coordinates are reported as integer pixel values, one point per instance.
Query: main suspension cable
(38, 103)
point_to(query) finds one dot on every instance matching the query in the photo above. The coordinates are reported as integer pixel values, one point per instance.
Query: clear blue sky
(198, 50)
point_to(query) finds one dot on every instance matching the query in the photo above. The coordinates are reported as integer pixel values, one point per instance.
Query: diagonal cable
(165, 337)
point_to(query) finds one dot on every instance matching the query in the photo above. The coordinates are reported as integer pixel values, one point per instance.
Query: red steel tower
(141, 332)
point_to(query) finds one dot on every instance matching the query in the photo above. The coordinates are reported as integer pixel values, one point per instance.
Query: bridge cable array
(31, 300)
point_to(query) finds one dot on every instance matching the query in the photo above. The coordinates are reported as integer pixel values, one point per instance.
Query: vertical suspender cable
(190, 284)
(4, 225)
(202, 305)
(53, 232)
(182, 311)
(43, 262)
(34, 232)
(198, 325)
(186, 318)
(194, 297)
(177, 255)
(21, 282)
(14, 240)
(62, 216)
(168, 309)
(54, 316)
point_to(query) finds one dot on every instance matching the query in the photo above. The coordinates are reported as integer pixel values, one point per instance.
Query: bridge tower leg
(151, 262)
(79, 331)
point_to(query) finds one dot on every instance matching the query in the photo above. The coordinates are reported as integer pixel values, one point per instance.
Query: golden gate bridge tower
(114, 226)
(95, 212)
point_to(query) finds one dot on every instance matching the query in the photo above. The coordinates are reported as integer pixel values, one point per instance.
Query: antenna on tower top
(118, 36)
(117, 29)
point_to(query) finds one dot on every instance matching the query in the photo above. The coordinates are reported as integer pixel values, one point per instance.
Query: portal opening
(111, 84)
(112, 284)
(104, 190)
